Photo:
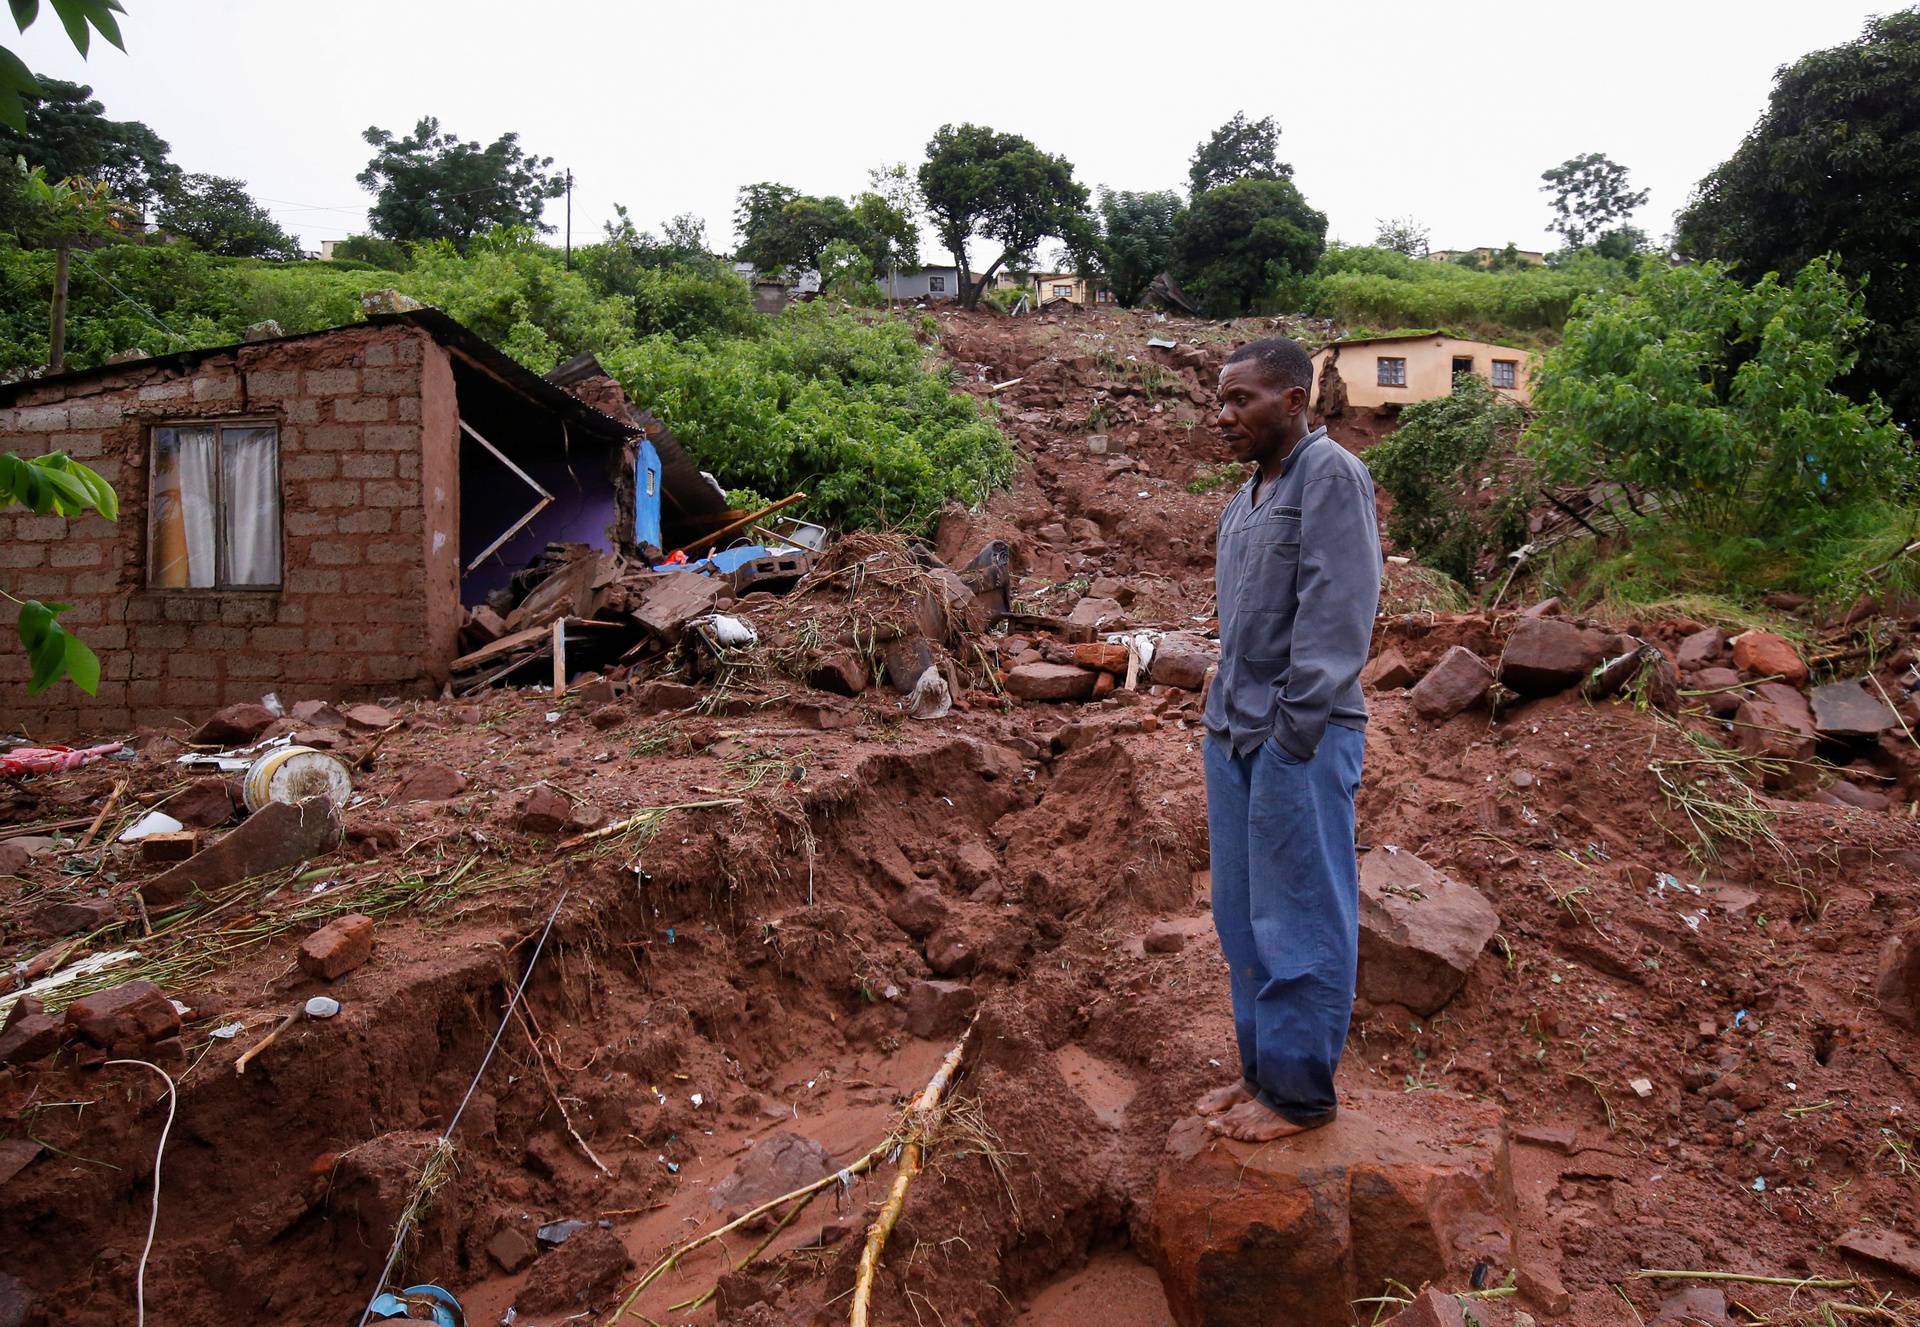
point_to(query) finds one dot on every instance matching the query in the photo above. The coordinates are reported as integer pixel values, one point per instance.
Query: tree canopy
(1834, 165)
(81, 19)
(1239, 241)
(1238, 150)
(1403, 235)
(217, 213)
(978, 180)
(432, 186)
(1590, 196)
(66, 131)
(1136, 239)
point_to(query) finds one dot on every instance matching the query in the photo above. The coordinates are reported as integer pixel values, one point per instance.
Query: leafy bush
(1382, 288)
(1460, 490)
(824, 402)
(518, 294)
(1717, 399)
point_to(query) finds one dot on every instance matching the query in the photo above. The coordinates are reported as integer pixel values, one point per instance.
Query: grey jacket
(1297, 583)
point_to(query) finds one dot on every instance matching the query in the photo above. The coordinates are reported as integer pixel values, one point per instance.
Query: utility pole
(569, 218)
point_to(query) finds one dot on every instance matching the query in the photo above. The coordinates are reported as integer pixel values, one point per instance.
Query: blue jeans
(1286, 899)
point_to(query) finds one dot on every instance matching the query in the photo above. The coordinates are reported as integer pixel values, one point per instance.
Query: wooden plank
(559, 658)
(499, 649)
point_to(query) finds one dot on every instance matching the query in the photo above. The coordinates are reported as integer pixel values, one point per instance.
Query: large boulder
(1549, 654)
(1048, 681)
(1455, 684)
(1421, 931)
(1849, 711)
(1409, 1187)
(1181, 661)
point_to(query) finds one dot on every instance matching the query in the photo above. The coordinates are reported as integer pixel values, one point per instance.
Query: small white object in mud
(228, 1031)
(322, 1006)
(1642, 1087)
(699, 1100)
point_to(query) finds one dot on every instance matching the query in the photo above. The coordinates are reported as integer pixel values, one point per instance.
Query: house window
(936, 285)
(213, 515)
(1393, 372)
(1506, 373)
(1063, 292)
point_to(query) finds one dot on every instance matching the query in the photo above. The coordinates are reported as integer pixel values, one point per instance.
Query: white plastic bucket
(293, 774)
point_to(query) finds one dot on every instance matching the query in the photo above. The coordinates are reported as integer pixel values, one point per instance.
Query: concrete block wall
(350, 619)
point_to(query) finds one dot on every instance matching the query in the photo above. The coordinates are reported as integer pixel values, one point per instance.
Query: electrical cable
(153, 1219)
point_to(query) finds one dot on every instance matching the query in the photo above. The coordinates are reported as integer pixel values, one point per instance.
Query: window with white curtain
(213, 515)
(1506, 372)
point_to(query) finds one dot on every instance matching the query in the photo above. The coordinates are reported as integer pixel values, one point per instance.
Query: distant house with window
(1046, 287)
(1377, 372)
(933, 284)
(316, 512)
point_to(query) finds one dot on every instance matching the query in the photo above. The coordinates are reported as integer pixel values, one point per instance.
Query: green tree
(17, 82)
(1238, 242)
(65, 130)
(217, 213)
(1238, 150)
(431, 186)
(673, 285)
(1718, 399)
(1403, 235)
(517, 293)
(1135, 243)
(1590, 196)
(63, 215)
(1833, 165)
(54, 483)
(885, 234)
(1000, 186)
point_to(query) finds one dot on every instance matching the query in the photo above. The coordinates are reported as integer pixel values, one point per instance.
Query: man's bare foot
(1223, 1098)
(1253, 1122)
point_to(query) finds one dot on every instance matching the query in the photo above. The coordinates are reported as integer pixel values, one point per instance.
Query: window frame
(220, 424)
(1512, 367)
(1062, 291)
(936, 285)
(1381, 370)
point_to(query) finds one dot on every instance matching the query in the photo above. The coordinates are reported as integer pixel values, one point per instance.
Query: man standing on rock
(1297, 582)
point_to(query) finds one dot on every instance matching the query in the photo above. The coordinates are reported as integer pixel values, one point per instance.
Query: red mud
(744, 954)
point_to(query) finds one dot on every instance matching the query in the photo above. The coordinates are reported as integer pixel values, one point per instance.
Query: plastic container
(293, 774)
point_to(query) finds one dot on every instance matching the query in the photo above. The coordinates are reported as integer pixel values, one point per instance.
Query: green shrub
(1460, 491)
(517, 293)
(824, 402)
(1381, 288)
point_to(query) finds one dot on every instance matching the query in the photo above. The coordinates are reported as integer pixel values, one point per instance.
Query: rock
(583, 1272)
(16, 1302)
(1164, 937)
(206, 804)
(543, 811)
(843, 673)
(919, 912)
(1558, 1137)
(31, 1037)
(1545, 655)
(278, 835)
(1720, 683)
(72, 916)
(1899, 984)
(1420, 931)
(905, 660)
(939, 1008)
(1455, 684)
(950, 953)
(1049, 682)
(1403, 1187)
(512, 1249)
(1545, 608)
(595, 694)
(1097, 613)
(826, 714)
(1770, 731)
(126, 1018)
(430, 783)
(1701, 649)
(1431, 1307)
(164, 847)
(1696, 1306)
(1763, 654)
(337, 948)
(1846, 711)
(317, 714)
(16, 1154)
(369, 718)
(1541, 1285)
(1889, 1248)
(655, 697)
(234, 725)
(1852, 794)
(736, 1292)
(1182, 662)
(14, 856)
(1388, 671)
(779, 1163)
(1102, 656)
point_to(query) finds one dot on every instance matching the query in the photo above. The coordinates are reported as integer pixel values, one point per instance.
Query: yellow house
(1045, 287)
(1374, 371)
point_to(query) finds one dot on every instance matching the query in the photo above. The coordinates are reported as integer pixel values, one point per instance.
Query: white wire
(153, 1220)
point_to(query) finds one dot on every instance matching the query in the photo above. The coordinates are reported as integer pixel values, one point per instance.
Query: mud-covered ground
(723, 973)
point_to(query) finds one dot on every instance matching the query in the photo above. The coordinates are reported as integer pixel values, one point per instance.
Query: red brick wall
(351, 619)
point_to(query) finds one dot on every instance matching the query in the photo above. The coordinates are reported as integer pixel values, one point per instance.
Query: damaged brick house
(315, 513)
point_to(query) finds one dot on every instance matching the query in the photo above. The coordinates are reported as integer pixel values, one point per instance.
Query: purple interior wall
(492, 498)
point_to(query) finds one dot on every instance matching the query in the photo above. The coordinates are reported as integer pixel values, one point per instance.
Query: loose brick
(125, 1018)
(337, 948)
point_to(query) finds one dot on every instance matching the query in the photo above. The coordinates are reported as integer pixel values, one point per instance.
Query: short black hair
(1283, 361)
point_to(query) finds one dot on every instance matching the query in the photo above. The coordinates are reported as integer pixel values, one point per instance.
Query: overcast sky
(1448, 113)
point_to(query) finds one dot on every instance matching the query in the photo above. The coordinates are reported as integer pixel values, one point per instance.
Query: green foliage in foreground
(1716, 399)
(1460, 492)
(54, 483)
(843, 409)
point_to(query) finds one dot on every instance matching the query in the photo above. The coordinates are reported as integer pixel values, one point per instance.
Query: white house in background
(927, 283)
